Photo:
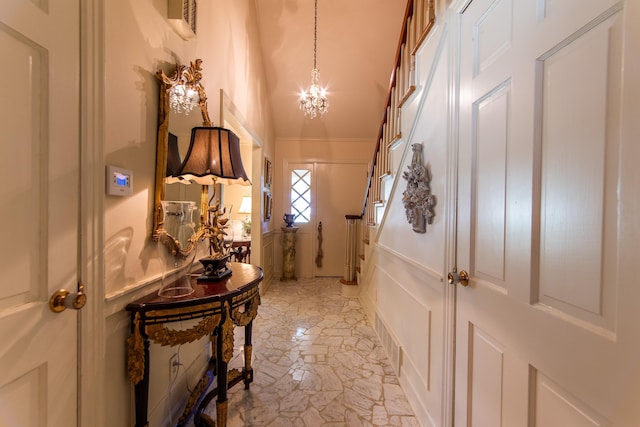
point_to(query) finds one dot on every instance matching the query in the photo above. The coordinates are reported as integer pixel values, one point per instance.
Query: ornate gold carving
(248, 351)
(135, 353)
(232, 375)
(243, 318)
(189, 76)
(227, 336)
(221, 415)
(212, 307)
(173, 244)
(198, 391)
(165, 336)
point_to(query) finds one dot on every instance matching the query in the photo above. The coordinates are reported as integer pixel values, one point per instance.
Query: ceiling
(356, 49)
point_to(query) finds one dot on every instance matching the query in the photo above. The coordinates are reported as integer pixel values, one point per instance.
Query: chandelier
(183, 98)
(314, 101)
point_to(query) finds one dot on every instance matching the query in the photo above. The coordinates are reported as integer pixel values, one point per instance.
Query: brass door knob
(63, 299)
(454, 277)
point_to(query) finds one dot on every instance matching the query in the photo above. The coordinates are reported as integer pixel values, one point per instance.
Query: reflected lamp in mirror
(173, 155)
(245, 208)
(213, 158)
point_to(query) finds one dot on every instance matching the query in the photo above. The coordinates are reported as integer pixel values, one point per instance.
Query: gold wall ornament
(162, 335)
(418, 201)
(135, 353)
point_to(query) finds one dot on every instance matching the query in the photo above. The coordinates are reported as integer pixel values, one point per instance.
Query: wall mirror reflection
(195, 162)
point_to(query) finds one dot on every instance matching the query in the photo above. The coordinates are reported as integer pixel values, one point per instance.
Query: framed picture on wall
(267, 205)
(267, 173)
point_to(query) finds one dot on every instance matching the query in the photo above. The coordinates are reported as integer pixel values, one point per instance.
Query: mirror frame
(188, 76)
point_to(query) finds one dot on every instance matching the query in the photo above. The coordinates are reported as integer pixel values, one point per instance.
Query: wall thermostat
(119, 181)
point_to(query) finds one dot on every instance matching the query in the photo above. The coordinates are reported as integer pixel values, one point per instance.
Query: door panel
(573, 283)
(38, 210)
(543, 338)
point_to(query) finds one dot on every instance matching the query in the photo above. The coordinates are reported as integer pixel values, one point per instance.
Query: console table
(221, 305)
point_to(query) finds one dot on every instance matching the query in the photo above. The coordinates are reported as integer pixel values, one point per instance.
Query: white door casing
(548, 204)
(39, 119)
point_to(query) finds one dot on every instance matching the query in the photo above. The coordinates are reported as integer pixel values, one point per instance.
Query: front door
(339, 189)
(39, 71)
(547, 328)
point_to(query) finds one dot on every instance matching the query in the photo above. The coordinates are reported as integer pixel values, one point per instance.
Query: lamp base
(214, 268)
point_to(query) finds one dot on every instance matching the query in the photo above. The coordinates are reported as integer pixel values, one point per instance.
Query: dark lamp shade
(173, 155)
(213, 152)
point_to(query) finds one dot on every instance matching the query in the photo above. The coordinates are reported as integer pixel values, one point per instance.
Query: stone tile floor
(317, 362)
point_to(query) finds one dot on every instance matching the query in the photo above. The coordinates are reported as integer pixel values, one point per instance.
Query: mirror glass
(182, 106)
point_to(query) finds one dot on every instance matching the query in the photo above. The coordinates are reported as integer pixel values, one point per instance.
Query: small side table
(289, 253)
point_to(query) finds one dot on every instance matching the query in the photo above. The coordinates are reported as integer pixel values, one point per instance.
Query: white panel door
(548, 219)
(339, 188)
(39, 71)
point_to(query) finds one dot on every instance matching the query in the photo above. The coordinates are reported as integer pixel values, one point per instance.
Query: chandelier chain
(315, 35)
(314, 101)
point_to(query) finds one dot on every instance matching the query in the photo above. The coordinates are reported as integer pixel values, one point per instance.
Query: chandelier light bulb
(183, 98)
(314, 101)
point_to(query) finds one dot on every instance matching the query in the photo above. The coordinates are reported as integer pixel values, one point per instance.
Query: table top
(242, 278)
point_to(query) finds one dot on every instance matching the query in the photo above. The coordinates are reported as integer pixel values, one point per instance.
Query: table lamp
(213, 158)
(245, 208)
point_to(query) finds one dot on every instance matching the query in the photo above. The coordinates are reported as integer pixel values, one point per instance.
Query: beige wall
(138, 42)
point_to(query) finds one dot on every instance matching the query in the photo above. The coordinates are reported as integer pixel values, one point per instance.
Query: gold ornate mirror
(180, 95)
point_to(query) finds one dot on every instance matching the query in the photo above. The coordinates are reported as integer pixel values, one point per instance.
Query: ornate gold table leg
(138, 367)
(221, 413)
(248, 370)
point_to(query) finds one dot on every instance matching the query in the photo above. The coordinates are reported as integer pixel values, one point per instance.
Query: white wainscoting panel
(21, 400)
(24, 151)
(492, 34)
(554, 407)
(486, 364)
(577, 146)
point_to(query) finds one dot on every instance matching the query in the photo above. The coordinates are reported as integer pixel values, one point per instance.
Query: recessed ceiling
(357, 43)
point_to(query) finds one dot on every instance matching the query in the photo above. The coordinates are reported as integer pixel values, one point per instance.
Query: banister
(393, 80)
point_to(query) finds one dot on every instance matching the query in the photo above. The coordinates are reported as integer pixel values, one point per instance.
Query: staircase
(418, 20)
